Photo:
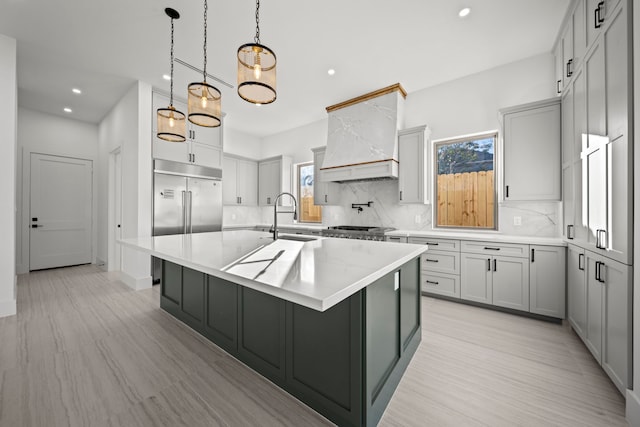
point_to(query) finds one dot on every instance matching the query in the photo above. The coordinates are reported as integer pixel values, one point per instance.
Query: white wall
(463, 106)
(58, 136)
(128, 127)
(8, 142)
(241, 144)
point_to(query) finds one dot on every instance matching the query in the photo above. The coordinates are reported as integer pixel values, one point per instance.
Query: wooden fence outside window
(466, 199)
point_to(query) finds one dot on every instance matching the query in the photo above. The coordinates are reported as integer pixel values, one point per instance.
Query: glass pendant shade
(256, 73)
(204, 105)
(171, 124)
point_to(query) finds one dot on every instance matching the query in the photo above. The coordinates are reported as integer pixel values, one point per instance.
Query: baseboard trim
(137, 284)
(633, 408)
(8, 308)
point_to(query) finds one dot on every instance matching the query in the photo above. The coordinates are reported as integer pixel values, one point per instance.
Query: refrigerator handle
(184, 212)
(189, 223)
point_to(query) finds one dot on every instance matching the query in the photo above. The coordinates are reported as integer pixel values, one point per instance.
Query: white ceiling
(102, 47)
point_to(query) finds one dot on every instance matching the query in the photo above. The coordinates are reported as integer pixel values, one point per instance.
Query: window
(465, 188)
(308, 212)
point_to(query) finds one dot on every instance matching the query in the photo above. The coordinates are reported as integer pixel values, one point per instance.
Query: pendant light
(171, 122)
(204, 99)
(256, 69)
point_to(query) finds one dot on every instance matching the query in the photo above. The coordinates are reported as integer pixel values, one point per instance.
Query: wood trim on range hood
(385, 90)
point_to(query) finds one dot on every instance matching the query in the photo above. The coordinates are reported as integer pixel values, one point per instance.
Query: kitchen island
(334, 322)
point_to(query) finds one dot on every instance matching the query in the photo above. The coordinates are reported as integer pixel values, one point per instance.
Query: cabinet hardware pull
(495, 265)
(400, 194)
(558, 86)
(34, 219)
(325, 198)
(432, 243)
(433, 283)
(194, 158)
(569, 72)
(507, 191)
(599, 239)
(488, 264)
(268, 200)
(581, 262)
(597, 15)
(570, 232)
(431, 260)
(533, 255)
(491, 249)
(595, 271)
(600, 279)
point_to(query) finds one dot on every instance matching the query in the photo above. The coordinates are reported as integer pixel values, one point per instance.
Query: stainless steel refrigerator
(186, 199)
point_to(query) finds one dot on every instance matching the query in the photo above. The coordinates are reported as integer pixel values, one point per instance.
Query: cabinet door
(577, 290)
(567, 49)
(475, 278)
(596, 166)
(596, 101)
(595, 301)
(532, 164)
(619, 235)
(268, 182)
(247, 179)
(617, 70)
(617, 321)
(207, 136)
(547, 281)
(511, 282)
(568, 209)
(174, 151)
(324, 193)
(229, 181)
(206, 155)
(411, 178)
(557, 53)
(594, 18)
(579, 174)
(567, 127)
(579, 34)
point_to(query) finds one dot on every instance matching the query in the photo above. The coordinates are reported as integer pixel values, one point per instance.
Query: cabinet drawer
(441, 284)
(396, 239)
(437, 244)
(490, 248)
(443, 262)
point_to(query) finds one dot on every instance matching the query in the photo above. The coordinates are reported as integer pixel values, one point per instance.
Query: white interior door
(60, 213)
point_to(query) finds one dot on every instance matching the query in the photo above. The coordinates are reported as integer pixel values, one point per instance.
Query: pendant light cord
(171, 93)
(257, 37)
(204, 71)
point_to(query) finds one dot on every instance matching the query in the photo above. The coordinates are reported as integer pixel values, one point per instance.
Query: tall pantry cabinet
(597, 173)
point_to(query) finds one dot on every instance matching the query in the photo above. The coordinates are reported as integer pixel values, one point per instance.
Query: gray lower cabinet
(476, 278)
(576, 290)
(547, 281)
(345, 362)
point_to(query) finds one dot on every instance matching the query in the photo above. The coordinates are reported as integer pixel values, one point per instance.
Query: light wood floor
(85, 350)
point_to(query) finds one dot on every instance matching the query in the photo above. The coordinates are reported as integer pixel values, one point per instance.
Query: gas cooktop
(357, 232)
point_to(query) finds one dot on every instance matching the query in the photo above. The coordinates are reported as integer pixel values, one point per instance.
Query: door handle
(569, 72)
(189, 222)
(598, 271)
(34, 219)
(240, 199)
(184, 212)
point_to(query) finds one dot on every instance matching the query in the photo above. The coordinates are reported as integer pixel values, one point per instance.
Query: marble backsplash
(542, 219)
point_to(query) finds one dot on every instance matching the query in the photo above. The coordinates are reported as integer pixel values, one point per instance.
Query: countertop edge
(493, 237)
(297, 298)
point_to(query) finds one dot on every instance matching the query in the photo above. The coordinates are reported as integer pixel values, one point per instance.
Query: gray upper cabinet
(274, 177)
(240, 181)
(532, 151)
(324, 192)
(413, 170)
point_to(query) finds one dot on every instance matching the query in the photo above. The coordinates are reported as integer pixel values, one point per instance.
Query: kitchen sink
(297, 238)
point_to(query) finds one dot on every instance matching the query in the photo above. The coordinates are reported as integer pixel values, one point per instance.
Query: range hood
(362, 142)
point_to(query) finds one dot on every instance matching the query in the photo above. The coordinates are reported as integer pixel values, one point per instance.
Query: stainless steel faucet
(275, 212)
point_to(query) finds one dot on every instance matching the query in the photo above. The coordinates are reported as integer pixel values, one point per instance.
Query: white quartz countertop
(488, 237)
(325, 271)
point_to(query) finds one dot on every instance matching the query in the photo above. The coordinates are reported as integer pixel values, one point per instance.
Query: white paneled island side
(334, 322)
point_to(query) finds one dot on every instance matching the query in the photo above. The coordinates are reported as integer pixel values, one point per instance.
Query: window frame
(298, 191)
(497, 174)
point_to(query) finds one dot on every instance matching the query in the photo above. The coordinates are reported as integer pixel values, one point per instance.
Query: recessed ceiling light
(331, 71)
(76, 91)
(166, 76)
(464, 12)
(68, 110)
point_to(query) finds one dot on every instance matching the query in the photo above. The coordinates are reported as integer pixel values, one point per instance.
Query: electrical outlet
(517, 220)
(417, 219)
